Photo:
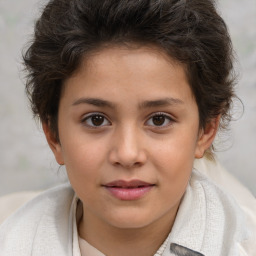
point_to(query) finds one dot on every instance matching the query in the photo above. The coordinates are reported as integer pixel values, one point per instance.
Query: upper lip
(128, 184)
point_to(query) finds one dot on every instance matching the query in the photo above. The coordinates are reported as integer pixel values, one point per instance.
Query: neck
(116, 241)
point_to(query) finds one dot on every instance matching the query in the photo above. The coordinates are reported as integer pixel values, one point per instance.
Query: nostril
(127, 158)
(128, 166)
(138, 164)
(134, 165)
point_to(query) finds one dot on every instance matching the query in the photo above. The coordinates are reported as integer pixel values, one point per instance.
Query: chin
(129, 221)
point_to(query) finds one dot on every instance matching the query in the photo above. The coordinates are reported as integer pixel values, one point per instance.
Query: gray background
(26, 163)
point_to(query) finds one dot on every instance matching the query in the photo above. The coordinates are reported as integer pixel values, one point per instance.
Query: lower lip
(129, 194)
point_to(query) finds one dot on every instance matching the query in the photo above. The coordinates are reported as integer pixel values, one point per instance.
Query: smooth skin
(128, 113)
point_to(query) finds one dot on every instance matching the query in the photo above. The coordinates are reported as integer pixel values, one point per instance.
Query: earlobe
(53, 143)
(206, 137)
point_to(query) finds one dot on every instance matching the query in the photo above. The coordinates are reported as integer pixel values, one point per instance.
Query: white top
(89, 250)
(209, 222)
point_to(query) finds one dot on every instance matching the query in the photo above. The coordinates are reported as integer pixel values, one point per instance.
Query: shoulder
(230, 204)
(43, 211)
(227, 182)
(11, 202)
(230, 186)
(210, 221)
(29, 204)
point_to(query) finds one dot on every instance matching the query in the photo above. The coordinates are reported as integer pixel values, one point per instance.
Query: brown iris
(97, 120)
(158, 120)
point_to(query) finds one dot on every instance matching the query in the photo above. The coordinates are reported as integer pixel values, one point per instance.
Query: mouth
(128, 190)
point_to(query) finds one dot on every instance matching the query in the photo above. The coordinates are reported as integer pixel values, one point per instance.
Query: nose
(127, 149)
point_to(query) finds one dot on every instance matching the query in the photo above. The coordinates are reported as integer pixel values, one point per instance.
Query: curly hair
(189, 31)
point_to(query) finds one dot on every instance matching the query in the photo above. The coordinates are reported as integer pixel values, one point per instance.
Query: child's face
(127, 118)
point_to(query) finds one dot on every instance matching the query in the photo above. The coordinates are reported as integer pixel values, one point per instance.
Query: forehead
(129, 70)
(136, 54)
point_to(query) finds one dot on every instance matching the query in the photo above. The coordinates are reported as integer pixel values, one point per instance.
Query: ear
(206, 136)
(53, 143)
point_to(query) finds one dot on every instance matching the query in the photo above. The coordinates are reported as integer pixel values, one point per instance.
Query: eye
(95, 120)
(159, 120)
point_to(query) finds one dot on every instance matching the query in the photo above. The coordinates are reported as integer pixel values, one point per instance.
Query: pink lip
(128, 190)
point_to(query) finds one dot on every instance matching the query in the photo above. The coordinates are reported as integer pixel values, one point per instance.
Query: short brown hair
(189, 31)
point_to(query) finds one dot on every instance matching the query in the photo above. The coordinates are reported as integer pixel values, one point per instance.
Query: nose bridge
(127, 147)
(128, 140)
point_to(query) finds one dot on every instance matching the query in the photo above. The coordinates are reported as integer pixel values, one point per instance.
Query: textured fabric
(208, 222)
(41, 227)
(11, 202)
(89, 250)
(178, 250)
(220, 176)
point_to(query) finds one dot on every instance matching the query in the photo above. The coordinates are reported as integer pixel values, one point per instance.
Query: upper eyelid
(166, 115)
(84, 116)
(159, 114)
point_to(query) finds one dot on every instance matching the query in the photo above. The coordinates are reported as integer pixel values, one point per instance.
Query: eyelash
(105, 119)
(165, 116)
(90, 116)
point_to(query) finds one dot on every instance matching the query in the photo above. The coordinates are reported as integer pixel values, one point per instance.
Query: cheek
(79, 148)
(175, 171)
(82, 165)
(82, 160)
(174, 160)
(176, 151)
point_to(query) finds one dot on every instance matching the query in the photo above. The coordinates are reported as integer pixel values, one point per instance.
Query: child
(129, 94)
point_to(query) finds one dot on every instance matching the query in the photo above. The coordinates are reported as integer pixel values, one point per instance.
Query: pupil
(158, 120)
(97, 120)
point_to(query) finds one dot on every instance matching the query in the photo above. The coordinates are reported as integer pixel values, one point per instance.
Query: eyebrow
(93, 101)
(145, 104)
(161, 103)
